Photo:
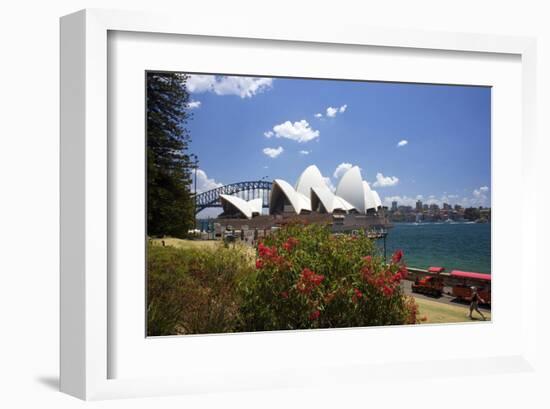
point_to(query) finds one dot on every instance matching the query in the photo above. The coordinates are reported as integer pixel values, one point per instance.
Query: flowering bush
(306, 277)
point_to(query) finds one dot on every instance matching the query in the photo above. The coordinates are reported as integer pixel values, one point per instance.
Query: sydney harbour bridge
(245, 190)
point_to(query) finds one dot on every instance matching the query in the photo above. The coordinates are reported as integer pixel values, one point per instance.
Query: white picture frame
(85, 219)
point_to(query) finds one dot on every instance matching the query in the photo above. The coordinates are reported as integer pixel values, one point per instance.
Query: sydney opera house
(311, 198)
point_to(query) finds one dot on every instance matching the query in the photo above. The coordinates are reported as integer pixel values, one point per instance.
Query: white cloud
(341, 169)
(402, 142)
(328, 181)
(204, 183)
(305, 152)
(480, 196)
(194, 104)
(273, 152)
(332, 111)
(200, 83)
(318, 115)
(244, 87)
(268, 134)
(385, 181)
(298, 131)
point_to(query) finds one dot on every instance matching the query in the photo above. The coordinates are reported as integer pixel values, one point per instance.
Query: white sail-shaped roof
(370, 201)
(322, 195)
(376, 198)
(310, 177)
(340, 203)
(351, 189)
(248, 209)
(298, 201)
(256, 205)
(329, 200)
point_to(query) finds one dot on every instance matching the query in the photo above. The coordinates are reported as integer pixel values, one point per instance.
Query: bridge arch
(249, 189)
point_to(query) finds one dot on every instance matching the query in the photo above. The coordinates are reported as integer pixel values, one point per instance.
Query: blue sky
(411, 140)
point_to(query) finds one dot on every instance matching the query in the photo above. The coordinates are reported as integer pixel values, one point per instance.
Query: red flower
(366, 273)
(356, 295)
(397, 256)
(308, 281)
(264, 251)
(259, 264)
(290, 243)
(388, 291)
(284, 294)
(368, 259)
(314, 315)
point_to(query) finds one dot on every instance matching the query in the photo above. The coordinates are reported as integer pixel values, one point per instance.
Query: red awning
(467, 274)
(436, 269)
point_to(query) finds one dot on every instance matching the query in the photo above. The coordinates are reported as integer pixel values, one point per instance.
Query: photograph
(282, 203)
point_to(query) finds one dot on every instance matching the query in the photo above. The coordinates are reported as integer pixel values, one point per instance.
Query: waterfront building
(418, 205)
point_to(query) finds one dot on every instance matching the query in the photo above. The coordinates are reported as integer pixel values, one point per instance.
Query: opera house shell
(310, 194)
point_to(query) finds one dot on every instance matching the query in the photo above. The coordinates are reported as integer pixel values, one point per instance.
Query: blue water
(455, 246)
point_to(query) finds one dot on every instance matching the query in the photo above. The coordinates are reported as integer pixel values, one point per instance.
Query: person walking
(475, 299)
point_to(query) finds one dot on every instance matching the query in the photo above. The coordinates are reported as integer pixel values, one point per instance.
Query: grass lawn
(187, 244)
(437, 313)
(200, 244)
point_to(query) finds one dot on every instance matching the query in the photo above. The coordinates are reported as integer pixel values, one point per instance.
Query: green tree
(170, 207)
(471, 213)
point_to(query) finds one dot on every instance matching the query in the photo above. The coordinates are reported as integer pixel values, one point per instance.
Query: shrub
(193, 290)
(306, 277)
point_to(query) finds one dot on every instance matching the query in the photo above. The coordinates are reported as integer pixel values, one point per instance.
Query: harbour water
(455, 246)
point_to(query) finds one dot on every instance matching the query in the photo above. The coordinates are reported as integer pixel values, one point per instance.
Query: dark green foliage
(472, 213)
(170, 209)
(306, 277)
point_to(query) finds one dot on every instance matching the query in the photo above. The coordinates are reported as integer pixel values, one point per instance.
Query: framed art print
(238, 202)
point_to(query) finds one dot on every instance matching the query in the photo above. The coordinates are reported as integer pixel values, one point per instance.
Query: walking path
(444, 299)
